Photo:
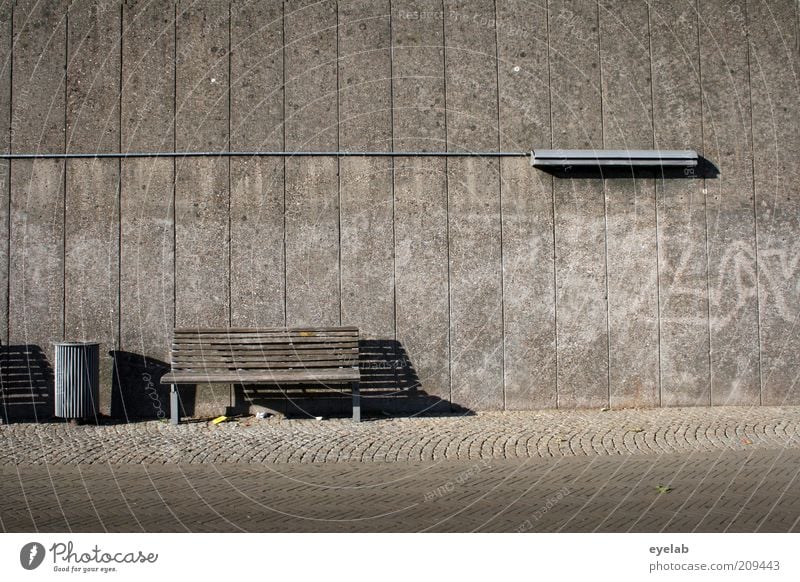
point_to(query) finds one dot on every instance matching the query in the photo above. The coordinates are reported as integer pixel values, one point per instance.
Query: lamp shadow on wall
(705, 169)
(26, 384)
(136, 389)
(389, 387)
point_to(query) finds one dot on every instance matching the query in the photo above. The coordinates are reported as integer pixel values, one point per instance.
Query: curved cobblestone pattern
(489, 435)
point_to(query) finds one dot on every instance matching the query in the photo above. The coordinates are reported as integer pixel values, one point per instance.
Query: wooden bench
(302, 355)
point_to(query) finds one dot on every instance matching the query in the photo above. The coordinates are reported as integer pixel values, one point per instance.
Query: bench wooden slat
(219, 355)
(235, 365)
(273, 376)
(267, 353)
(350, 330)
(267, 341)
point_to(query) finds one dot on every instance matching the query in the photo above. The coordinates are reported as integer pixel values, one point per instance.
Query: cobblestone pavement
(466, 438)
(743, 491)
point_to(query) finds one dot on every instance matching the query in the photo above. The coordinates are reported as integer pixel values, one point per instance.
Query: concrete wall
(506, 288)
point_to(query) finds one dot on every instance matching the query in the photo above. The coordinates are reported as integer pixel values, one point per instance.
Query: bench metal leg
(356, 403)
(174, 412)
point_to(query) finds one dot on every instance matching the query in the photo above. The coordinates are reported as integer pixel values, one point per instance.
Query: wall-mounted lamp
(618, 158)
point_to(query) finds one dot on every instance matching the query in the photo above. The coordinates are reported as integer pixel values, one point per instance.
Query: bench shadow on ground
(26, 384)
(390, 387)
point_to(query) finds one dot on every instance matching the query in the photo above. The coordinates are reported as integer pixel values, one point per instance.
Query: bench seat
(303, 355)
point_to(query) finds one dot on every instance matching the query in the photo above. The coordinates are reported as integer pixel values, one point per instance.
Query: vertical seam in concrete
(447, 212)
(174, 164)
(230, 241)
(500, 195)
(755, 206)
(655, 204)
(391, 160)
(119, 180)
(553, 198)
(7, 306)
(705, 209)
(283, 159)
(338, 168)
(605, 211)
(64, 184)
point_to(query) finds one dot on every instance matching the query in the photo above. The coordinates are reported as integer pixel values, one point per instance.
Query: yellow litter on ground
(219, 419)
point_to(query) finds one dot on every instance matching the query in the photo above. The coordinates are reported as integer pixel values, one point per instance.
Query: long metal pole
(79, 155)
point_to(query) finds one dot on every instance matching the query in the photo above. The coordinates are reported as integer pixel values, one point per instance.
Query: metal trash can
(77, 371)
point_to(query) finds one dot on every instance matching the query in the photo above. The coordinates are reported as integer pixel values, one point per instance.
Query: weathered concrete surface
(420, 193)
(91, 260)
(147, 225)
(91, 253)
(258, 271)
(727, 134)
(36, 270)
(681, 209)
(93, 76)
(384, 244)
(257, 252)
(630, 208)
(364, 72)
(39, 61)
(148, 76)
(367, 246)
(201, 242)
(5, 169)
(581, 307)
(529, 343)
(313, 283)
(202, 260)
(367, 208)
(774, 71)
(473, 191)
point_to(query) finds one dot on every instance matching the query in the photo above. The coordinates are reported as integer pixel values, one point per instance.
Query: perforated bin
(77, 375)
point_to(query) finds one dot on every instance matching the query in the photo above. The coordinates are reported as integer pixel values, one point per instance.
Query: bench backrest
(226, 349)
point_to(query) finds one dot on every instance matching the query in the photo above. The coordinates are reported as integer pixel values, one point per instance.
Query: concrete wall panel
(774, 72)
(365, 124)
(201, 243)
(91, 254)
(148, 76)
(202, 280)
(313, 284)
(93, 76)
(36, 273)
(147, 225)
(420, 193)
(630, 207)
(257, 254)
(681, 208)
(365, 76)
(367, 246)
(147, 261)
(527, 208)
(312, 242)
(732, 280)
(257, 259)
(476, 286)
(581, 307)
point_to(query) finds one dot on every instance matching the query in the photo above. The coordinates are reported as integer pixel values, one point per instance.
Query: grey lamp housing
(613, 158)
